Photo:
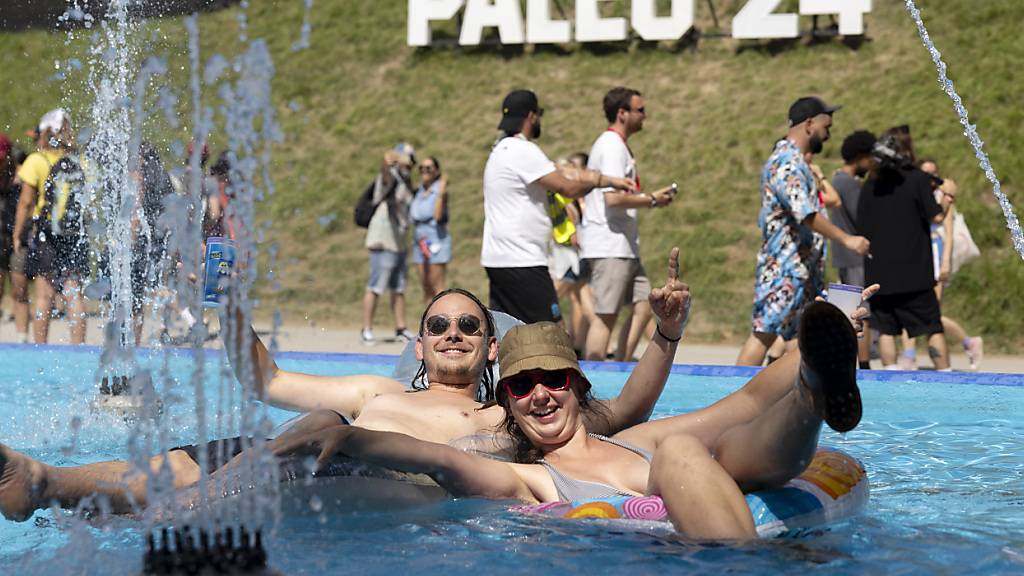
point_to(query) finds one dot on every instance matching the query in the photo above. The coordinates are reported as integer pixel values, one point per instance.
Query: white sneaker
(404, 335)
(975, 350)
(367, 337)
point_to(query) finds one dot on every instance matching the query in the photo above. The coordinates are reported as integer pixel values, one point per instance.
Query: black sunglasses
(521, 385)
(641, 110)
(426, 168)
(438, 324)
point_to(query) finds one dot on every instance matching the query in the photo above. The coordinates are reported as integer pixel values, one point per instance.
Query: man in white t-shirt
(609, 237)
(517, 177)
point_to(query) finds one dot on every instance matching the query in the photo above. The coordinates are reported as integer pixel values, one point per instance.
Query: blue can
(220, 259)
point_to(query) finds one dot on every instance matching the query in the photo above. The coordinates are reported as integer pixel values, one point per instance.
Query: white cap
(53, 120)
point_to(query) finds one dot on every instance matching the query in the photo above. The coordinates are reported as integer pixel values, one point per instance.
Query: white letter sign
(650, 27)
(503, 14)
(756, 20)
(851, 13)
(421, 12)
(591, 27)
(541, 29)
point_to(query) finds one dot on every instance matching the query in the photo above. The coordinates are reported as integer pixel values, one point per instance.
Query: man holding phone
(609, 236)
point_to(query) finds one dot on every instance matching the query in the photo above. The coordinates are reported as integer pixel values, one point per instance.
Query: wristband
(667, 339)
(654, 202)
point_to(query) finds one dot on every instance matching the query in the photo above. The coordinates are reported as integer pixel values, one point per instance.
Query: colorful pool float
(832, 488)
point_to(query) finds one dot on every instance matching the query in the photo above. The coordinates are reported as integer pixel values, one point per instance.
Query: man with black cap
(517, 177)
(790, 268)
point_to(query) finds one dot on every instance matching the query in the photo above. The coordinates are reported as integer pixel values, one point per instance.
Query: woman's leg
(703, 502)
(440, 278)
(75, 311)
(19, 293)
(43, 302)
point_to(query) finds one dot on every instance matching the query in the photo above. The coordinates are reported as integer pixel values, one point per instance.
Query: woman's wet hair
(525, 452)
(419, 381)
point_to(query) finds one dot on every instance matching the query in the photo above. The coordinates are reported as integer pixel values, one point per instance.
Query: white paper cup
(845, 297)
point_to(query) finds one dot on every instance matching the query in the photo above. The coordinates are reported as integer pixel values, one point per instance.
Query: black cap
(808, 107)
(515, 108)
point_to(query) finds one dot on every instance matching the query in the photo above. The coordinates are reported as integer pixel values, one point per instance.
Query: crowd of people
(893, 226)
(569, 229)
(550, 229)
(51, 247)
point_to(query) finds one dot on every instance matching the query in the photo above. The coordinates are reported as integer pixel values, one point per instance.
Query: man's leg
(639, 326)
(27, 485)
(754, 349)
(766, 432)
(887, 349)
(598, 334)
(398, 308)
(702, 500)
(938, 350)
(369, 306)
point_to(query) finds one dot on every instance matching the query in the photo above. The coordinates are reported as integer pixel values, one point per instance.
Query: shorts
(916, 312)
(387, 271)
(777, 305)
(57, 258)
(564, 263)
(435, 241)
(854, 276)
(615, 282)
(525, 293)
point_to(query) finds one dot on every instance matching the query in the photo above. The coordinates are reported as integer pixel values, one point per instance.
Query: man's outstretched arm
(295, 390)
(634, 404)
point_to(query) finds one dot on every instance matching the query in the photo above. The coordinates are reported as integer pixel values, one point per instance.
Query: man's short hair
(618, 98)
(857, 144)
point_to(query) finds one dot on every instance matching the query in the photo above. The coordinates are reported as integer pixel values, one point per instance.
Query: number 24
(756, 19)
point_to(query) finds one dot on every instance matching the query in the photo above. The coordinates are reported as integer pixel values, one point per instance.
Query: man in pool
(457, 346)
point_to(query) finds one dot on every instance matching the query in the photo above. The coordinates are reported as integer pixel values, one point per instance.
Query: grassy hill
(714, 110)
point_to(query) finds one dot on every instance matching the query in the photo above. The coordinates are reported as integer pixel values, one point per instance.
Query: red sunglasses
(521, 385)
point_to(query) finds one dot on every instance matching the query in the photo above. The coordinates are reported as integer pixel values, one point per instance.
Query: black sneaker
(828, 367)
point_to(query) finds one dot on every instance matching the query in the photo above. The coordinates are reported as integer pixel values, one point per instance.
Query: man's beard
(816, 145)
(535, 131)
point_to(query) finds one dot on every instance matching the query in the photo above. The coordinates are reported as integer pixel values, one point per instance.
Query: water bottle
(220, 259)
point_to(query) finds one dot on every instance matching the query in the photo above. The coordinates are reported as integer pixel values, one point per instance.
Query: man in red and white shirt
(609, 237)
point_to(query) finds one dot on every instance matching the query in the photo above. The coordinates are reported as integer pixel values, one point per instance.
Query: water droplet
(316, 504)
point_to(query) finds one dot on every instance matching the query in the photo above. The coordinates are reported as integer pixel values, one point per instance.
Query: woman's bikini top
(571, 489)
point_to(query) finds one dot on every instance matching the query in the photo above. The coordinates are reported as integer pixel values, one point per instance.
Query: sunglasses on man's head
(522, 385)
(437, 325)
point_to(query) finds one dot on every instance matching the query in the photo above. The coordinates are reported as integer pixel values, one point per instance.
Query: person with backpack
(48, 229)
(387, 238)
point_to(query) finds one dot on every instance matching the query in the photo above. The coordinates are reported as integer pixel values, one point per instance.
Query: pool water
(944, 453)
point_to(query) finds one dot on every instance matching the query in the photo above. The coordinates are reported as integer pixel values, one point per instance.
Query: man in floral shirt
(790, 264)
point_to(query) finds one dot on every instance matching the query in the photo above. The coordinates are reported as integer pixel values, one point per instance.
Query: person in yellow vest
(567, 271)
(54, 141)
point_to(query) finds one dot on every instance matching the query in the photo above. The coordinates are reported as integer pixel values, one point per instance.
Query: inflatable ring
(833, 487)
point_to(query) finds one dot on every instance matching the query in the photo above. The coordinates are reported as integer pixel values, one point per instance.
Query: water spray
(970, 130)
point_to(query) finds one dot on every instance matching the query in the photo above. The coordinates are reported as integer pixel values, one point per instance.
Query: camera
(886, 153)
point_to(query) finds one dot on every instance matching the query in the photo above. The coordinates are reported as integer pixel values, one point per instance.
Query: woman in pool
(689, 460)
(432, 246)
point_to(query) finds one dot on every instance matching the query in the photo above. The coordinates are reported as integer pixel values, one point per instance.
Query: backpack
(366, 207)
(63, 210)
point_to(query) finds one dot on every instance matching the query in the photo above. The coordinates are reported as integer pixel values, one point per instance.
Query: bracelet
(667, 339)
(654, 202)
